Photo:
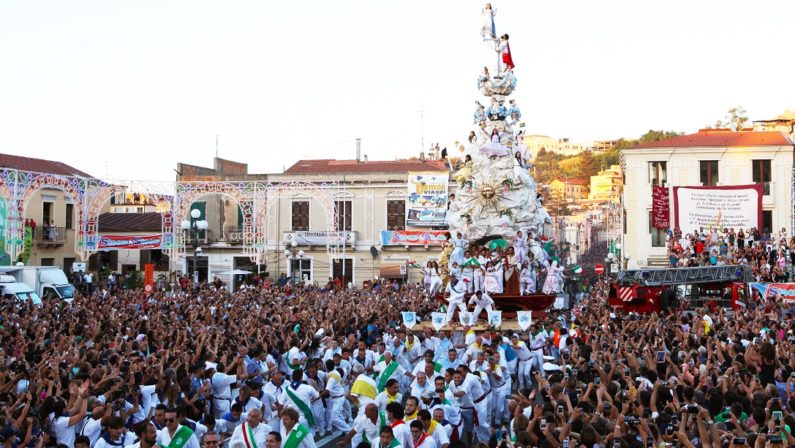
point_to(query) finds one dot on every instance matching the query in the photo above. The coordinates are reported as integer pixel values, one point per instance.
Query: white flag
(465, 318)
(438, 320)
(409, 319)
(495, 318)
(525, 319)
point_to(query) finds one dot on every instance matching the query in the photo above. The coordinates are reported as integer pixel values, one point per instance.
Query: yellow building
(570, 190)
(606, 185)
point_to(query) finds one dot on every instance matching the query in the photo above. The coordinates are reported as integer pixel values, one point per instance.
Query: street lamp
(193, 229)
(293, 254)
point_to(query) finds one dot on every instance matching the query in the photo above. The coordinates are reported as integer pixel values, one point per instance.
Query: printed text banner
(738, 206)
(115, 242)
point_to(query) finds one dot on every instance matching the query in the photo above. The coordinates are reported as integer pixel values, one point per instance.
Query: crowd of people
(290, 366)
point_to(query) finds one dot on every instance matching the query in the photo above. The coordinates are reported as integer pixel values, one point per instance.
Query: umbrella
(235, 272)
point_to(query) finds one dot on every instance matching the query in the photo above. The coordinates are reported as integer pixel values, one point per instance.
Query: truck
(49, 282)
(654, 290)
(9, 286)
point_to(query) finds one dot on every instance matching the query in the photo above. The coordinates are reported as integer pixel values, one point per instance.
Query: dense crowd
(286, 367)
(770, 254)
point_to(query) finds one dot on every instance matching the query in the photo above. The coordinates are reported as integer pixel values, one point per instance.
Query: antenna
(216, 146)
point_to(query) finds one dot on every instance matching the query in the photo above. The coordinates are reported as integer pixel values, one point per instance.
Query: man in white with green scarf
(250, 434)
(175, 435)
(295, 434)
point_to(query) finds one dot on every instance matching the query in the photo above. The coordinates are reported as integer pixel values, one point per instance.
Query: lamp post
(293, 254)
(193, 228)
(619, 248)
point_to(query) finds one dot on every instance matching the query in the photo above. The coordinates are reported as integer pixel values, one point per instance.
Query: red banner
(149, 277)
(660, 208)
(115, 242)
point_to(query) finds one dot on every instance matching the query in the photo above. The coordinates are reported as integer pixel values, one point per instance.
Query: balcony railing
(49, 236)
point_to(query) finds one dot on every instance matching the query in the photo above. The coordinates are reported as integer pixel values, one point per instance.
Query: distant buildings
(569, 190)
(560, 146)
(606, 185)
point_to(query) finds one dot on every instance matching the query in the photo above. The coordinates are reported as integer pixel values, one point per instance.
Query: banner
(409, 319)
(738, 206)
(116, 242)
(305, 238)
(149, 277)
(426, 204)
(413, 237)
(784, 291)
(525, 319)
(495, 318)
(465, 318)
(660, 208)
(438, 320)
(5, 258)
(27, 244)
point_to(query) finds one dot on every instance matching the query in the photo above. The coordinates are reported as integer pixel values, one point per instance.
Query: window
(67, 265)
(343, 209)
(301, 215)
(657, 174)
(46, 213)
(70, 213)
(767, 221)
(709, 172)
(342, 268)
(301, 270)
(657, 235)
(762, 174)
(48, 261)
(395, 215)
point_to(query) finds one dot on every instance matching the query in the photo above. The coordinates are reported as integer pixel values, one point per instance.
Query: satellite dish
(373, 251)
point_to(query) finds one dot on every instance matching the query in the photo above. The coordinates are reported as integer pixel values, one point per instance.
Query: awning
(391, 271)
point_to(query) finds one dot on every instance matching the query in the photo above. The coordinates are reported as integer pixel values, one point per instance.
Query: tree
(655, 136)
(587, 164)
(736, 119)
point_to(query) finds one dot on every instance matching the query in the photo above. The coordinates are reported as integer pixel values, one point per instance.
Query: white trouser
(319, 412)
(482, 428)
(524, 373)
(537, 361)
(479, 308)
(499, 399)
(336, 415)
(451, 308)
(528, 286)
(469, 281)
(478, 280)
(436, 285)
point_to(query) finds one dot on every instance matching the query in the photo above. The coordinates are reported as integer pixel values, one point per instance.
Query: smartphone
(739, 441)
(661, 357)
(560, 409)
(649, 442)
(777, 417)
(616, 443)
(597, 380)
(543, 423)
(565, 443)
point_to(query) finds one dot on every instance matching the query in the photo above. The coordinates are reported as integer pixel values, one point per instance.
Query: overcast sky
(126, 89)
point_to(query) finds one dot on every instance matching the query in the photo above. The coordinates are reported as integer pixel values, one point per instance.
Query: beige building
(371, 196)
(706, 158)
(50, 213)
(607, 184)
(562, 146)
(570, 190)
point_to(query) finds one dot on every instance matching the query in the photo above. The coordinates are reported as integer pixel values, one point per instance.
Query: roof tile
(39, 166)
(720, 138)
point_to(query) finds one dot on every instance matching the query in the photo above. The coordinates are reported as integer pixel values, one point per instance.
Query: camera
(692, 409)
(661, 357)
(774, 439)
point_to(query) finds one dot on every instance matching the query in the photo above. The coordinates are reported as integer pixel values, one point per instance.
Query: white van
(9, 286)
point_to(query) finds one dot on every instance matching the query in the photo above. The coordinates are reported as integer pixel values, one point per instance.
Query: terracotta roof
(39, 166)
(332, 166)
(576, 181)
(720, 138)
(129, 222)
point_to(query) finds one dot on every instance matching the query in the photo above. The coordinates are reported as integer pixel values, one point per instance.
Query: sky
(127, 89)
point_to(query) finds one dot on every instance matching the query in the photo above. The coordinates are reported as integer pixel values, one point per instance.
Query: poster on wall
(660, 208)
(426, 204)
(5, 258)
(738, 206)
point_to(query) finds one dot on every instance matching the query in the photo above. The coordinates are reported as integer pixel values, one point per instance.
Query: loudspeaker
(373, 251)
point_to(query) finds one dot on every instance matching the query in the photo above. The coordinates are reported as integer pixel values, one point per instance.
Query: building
(607, 184)
(562, 146)
(705, 158)
(370, 195)
(50, 213)
(570, 190)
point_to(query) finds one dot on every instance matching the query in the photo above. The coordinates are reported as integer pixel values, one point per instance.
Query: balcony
(50, 236)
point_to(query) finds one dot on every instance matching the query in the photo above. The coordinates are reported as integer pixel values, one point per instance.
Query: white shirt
(429, 442)
(164, 438)
(307, 442)
(381, 400)
(364, 426)
(221, 384)
(64, 433)
(127, 439)
(92, 429)
(260, 434)
(305, 392)
(402, 432)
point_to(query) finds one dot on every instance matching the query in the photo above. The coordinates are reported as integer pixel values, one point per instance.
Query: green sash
(437, 367)
(181, 437)
(297, 436)
(380, 423)
(287, 361)
(394, 444)
(306, 410)
(387, 373)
